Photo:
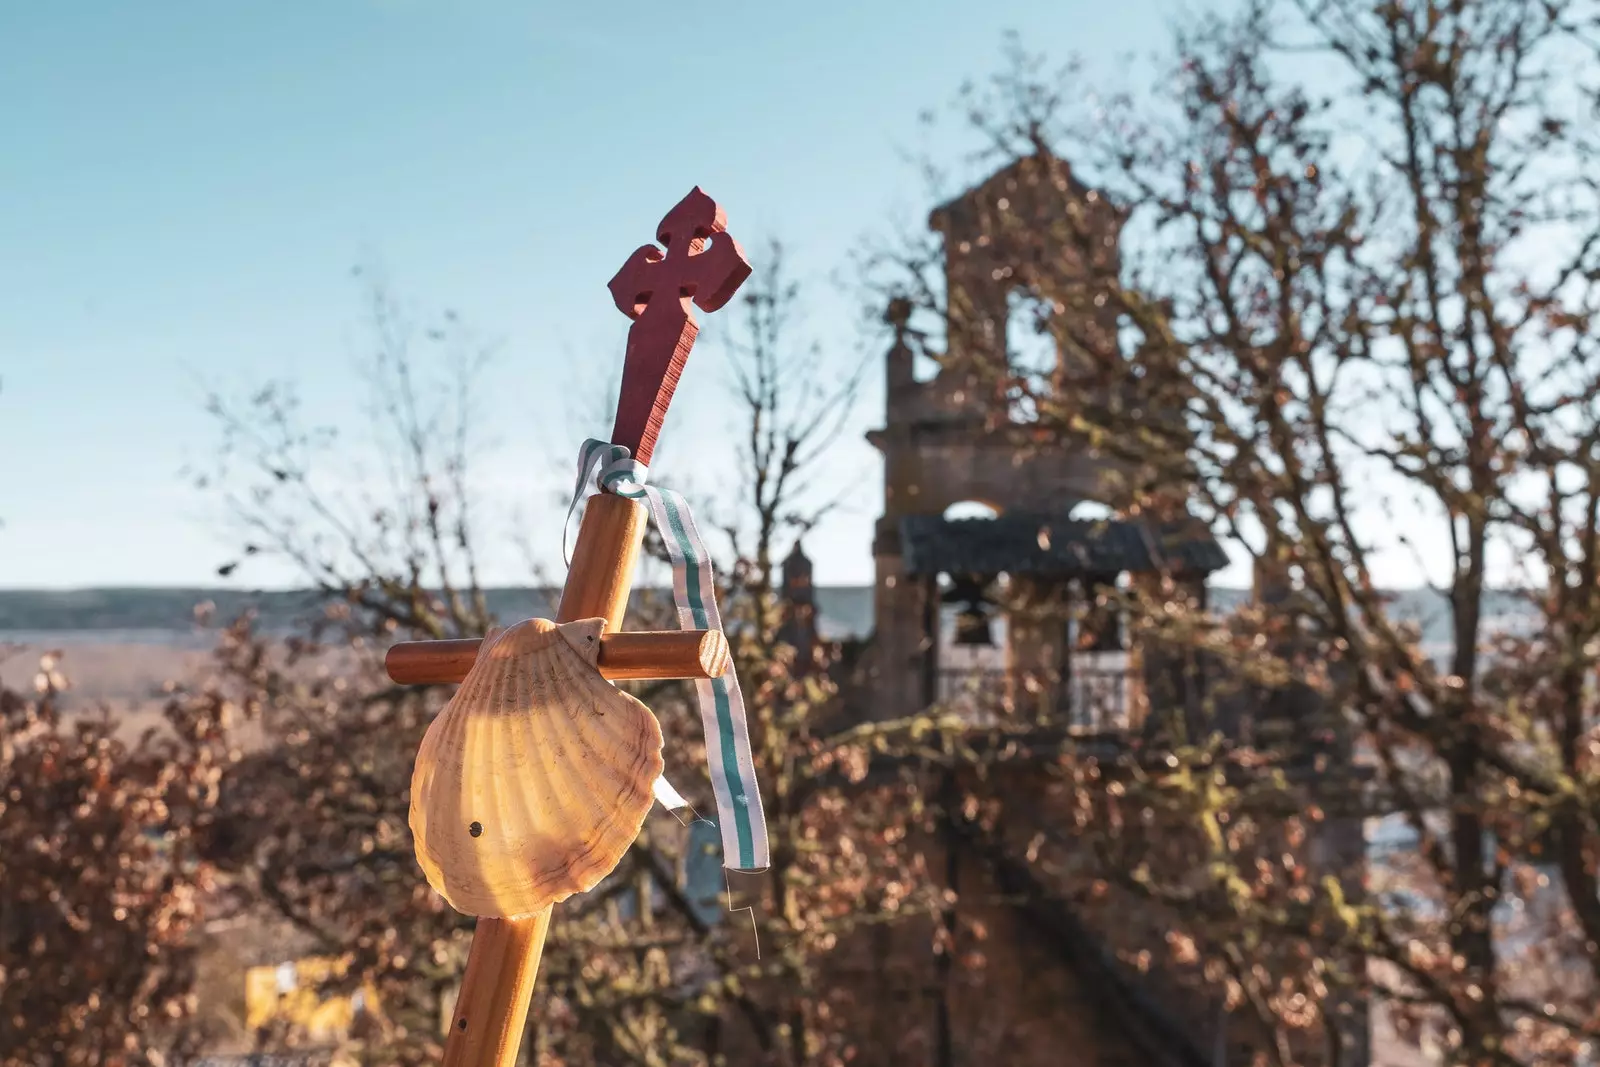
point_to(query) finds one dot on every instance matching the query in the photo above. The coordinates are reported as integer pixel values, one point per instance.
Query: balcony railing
(1090, 699)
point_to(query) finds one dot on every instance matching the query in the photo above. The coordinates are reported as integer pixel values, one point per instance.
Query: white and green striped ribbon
(722, 712)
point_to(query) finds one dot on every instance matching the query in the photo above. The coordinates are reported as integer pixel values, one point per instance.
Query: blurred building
(998, 556)
(293, 996)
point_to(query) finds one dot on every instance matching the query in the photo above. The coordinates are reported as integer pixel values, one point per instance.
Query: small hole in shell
(476, 829)
(462, 1025)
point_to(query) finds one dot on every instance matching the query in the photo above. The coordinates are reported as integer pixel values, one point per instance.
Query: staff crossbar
(699, 263)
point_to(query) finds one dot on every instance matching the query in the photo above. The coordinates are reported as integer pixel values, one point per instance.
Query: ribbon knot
(722, 711)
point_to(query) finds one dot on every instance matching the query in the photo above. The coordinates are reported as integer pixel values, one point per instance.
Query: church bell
(973, 627)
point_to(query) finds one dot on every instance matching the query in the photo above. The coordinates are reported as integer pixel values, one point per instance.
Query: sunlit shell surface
(535, 778)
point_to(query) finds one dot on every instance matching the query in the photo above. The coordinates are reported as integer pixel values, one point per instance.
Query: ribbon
(722, 712)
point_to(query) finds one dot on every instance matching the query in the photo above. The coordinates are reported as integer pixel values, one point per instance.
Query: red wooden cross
(654, 289)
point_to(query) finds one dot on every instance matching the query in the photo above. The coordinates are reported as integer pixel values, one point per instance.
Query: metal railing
(1090, 699)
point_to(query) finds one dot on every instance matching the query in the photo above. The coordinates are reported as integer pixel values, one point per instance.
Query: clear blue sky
(184, 187)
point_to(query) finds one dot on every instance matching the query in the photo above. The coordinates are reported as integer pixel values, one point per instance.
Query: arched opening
(1099, 662)
(1031, 352)
(971, 658)
(971, 509)
(972, 631)
(1091, 511)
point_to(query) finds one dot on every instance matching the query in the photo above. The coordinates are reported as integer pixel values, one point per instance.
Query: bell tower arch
(955, 438)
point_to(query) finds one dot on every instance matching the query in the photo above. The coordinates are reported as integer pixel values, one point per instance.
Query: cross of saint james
(700, 264)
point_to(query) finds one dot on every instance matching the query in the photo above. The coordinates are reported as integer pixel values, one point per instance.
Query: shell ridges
(553, 764)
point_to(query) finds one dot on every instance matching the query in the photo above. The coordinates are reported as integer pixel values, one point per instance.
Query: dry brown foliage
(102, 882)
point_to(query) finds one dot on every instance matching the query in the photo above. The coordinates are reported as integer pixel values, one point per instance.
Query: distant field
(121, 645)
(846, 610)
(124, 677)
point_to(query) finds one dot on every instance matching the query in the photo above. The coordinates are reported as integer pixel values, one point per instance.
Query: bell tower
(955, 437)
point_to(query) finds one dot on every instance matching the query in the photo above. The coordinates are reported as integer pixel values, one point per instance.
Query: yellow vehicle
(289, 993)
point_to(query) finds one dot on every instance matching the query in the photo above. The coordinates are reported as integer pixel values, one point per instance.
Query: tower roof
(1050, 546)
(796, 563)
(1005, 182)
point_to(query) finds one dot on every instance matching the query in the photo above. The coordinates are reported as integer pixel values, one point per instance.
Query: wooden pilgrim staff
(701, 263)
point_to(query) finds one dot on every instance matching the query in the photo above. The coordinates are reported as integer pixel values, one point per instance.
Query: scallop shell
(536, 777)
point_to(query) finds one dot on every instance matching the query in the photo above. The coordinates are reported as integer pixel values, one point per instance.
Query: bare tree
(311, 822)
(388, 524)
(1350, 325)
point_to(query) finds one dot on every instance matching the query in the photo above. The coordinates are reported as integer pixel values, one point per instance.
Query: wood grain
(492, 1010)
(624, 657)
(702, 263)
(603, 560)
(664, 654)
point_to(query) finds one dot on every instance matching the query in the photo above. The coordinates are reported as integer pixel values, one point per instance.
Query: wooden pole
(704, 265)
(492, 1008)
(503, 965)
(624, 657)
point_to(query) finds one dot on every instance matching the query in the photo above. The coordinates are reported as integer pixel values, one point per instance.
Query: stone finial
(799, 626)
(797, 571)
(898, 313)
(899, 364)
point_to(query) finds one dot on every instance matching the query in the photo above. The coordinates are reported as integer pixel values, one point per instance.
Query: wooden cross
(654, 288)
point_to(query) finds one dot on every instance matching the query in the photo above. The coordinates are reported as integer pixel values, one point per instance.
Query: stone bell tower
(1031, 238)
(1030, 231)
